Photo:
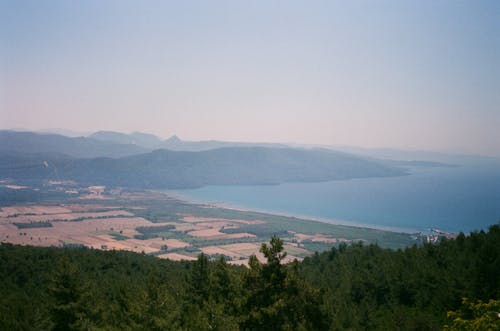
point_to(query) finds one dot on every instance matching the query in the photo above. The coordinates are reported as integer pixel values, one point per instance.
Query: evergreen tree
(66, 292)
(475, 316)
(199, 280)
(277, 299)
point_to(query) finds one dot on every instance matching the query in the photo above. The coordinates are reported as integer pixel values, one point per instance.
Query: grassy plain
(154, 223)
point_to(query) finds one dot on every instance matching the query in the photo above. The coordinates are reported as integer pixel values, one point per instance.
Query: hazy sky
(413, 74)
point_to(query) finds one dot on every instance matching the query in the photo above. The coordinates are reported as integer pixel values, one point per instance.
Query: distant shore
(221, 204)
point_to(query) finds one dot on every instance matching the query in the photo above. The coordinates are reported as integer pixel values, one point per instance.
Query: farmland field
(154, 223)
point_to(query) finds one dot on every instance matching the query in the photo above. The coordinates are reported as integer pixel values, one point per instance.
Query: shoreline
(221, 204)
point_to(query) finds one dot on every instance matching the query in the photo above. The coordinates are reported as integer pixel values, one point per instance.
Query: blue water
(454, 199)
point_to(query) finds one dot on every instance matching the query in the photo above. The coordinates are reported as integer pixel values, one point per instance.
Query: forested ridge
(350, 287)
(29, 158)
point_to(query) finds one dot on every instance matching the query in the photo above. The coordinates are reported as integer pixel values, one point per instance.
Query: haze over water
(454, 199)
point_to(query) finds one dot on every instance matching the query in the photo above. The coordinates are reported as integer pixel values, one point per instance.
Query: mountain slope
(173, 143)
(175, 169)
(30, 142)
(144, 140)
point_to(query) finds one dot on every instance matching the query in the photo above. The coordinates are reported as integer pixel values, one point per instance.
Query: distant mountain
(62, 132)
(144, 140)
(30, 142)
(173, 143)
(416, 163)
(417, 156)
(176, 169)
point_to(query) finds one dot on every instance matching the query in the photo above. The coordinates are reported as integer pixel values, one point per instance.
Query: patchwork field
(153, 223)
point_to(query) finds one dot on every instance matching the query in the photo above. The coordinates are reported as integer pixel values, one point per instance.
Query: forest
(453, 285)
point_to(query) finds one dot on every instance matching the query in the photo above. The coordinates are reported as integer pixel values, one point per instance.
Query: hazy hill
(30, 142)
(418, 156)
(176, 144)
(393, 157)
(173, 143)
(175, 169)
(145, 140)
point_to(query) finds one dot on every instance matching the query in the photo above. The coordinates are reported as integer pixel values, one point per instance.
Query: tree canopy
(350, 287)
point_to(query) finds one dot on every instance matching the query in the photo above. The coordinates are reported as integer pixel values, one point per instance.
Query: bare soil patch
(68, 216)
(177, 257)
(35, 209)
(319, 238)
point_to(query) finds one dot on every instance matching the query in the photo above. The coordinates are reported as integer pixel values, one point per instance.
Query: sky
(404, 74)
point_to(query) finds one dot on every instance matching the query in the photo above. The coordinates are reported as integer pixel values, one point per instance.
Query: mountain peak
(174, 138)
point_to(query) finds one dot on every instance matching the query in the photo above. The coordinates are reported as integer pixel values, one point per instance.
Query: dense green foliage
(347, 288)
(372, 288)
(475, 316)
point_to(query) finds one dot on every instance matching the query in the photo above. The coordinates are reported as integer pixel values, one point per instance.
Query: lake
(453, 199)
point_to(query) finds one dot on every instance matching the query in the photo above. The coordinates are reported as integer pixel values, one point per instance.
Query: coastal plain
(155, 223)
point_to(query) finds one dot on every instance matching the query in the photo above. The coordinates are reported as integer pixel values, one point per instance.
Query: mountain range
(173, 143)
(117, 159)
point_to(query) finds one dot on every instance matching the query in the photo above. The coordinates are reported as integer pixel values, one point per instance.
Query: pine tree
(66, 292)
